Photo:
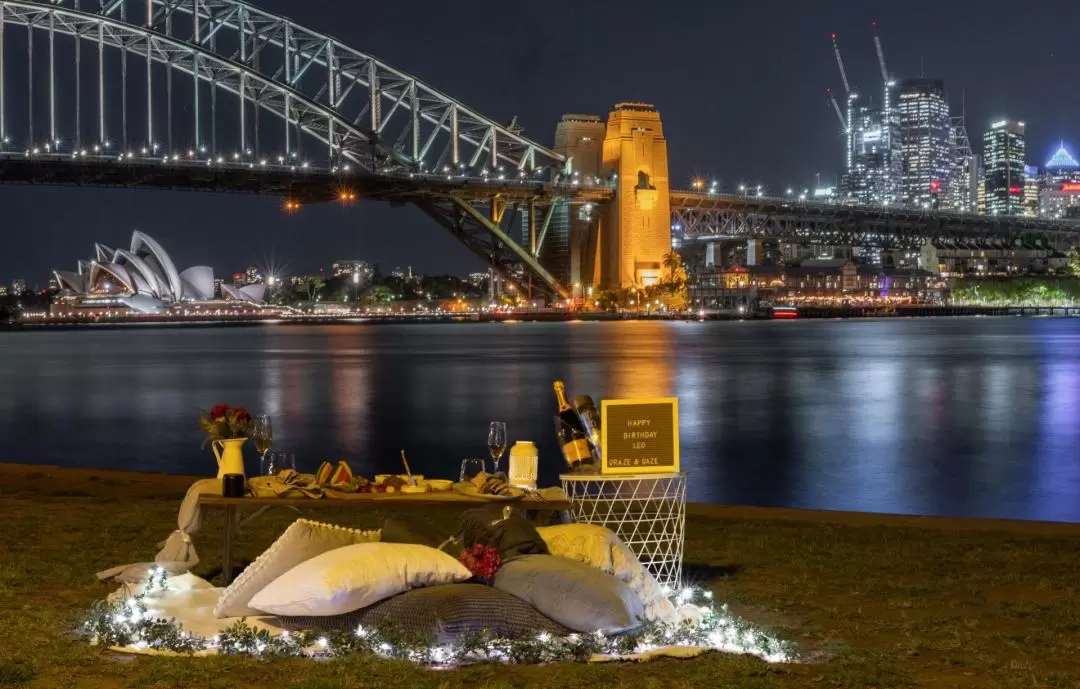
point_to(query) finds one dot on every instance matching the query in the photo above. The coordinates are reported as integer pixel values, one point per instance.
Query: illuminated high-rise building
(1031, 191)
(926, 147)
(1062, 166)
(1003, 153)
(872, 178)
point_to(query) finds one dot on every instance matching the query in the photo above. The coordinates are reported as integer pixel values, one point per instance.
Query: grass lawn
(873, 601)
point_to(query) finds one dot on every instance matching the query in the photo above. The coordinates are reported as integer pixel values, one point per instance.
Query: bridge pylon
(621, 244)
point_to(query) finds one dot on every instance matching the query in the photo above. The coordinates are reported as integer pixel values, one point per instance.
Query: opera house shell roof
(145, 278)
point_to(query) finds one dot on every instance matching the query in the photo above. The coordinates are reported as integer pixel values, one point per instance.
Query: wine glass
(496, 443)
(277, 462)
(471, 467)
(262, 434)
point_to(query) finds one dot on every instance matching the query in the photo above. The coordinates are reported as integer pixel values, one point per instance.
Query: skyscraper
(872, 178)
(1031, 191)
(926, 160)
(1003, 153)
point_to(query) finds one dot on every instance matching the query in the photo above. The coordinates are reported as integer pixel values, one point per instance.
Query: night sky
(740, 87)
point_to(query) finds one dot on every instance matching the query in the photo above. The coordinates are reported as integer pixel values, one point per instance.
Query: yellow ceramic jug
(230, 456)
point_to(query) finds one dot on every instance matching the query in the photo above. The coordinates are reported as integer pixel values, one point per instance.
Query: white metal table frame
(646, 511)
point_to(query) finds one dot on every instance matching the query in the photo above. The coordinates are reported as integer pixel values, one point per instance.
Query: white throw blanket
(177, 554)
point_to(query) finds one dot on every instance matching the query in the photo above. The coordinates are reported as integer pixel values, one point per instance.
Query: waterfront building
(926, 146)
(252, 276)
(238, 279)
(1003, 154)
(3, 290)
(18, 287)
(142, 279)
(990, 257)
(815, 280)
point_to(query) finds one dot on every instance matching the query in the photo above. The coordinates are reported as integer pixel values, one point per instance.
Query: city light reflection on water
(942, 416)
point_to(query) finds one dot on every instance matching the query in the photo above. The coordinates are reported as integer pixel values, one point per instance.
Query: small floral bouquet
(223, 422)
(482, 560)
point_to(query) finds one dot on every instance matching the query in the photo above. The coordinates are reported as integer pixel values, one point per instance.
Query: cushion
(303, 540)
(442, 614)
(356, 576)
(572, 593)
(601, 548)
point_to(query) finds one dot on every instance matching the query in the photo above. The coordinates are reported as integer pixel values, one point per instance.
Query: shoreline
(855, 313)
(18, 480)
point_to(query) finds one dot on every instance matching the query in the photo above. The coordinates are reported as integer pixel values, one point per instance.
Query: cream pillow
(303, 540)
(355, 577)
(602, 549)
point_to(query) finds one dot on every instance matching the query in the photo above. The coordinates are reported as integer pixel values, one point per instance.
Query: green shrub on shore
(1018, 291)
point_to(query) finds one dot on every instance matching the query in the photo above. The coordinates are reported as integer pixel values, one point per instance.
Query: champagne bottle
(590, 418)
(571, 433)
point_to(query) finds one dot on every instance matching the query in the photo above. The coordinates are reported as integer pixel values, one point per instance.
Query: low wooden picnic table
(532, 506)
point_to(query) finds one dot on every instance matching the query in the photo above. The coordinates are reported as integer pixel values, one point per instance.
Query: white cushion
(357, 576)
(602, 549)
(303, 540)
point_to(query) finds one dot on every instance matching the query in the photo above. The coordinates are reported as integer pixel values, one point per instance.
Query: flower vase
(230, 456)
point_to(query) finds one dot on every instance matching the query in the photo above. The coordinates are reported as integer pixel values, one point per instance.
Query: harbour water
(966, 416)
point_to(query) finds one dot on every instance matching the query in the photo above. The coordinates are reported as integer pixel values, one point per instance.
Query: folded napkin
(287, 484)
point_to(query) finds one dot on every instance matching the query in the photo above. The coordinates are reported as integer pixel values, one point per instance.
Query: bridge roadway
(694, 214)
(294, 183)
(703, 216)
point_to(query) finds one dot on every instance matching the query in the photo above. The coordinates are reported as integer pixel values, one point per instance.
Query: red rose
(218, 411)
(242, 415)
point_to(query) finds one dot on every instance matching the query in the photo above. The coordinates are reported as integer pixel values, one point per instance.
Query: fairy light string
(129, 622)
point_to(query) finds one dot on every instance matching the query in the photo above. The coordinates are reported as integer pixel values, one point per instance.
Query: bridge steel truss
(705, 216)
(338, 118)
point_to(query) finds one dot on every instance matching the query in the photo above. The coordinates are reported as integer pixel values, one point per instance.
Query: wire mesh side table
(648, 512)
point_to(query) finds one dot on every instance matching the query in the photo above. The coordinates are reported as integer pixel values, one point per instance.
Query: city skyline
(777, 102)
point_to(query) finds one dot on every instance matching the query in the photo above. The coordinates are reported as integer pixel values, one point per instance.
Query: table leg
(230, 520)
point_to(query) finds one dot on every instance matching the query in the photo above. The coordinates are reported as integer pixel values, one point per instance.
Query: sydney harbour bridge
(219, 95)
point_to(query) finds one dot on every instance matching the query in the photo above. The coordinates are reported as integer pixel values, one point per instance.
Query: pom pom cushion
(356, 576)
(442, 614)
(303, 540)
(600, 548)
(572, 593)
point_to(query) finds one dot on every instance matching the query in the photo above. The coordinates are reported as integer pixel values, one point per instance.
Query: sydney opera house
(143, 279)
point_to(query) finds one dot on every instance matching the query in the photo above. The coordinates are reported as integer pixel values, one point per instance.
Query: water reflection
(966, 416)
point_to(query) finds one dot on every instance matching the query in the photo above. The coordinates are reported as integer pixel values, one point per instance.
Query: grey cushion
(572, 593)
(442, 613)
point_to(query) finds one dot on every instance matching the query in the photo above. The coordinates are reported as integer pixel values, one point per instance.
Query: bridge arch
(379, 127)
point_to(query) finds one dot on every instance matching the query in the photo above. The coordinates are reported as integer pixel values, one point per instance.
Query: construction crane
(836, 107)
(851, 96)
(840, 63)
(880, 54)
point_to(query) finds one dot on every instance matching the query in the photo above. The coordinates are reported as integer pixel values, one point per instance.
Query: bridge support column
(755, 253)
(710, 254)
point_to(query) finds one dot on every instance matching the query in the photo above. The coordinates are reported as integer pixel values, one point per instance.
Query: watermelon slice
(343, 474)
(322, 476)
